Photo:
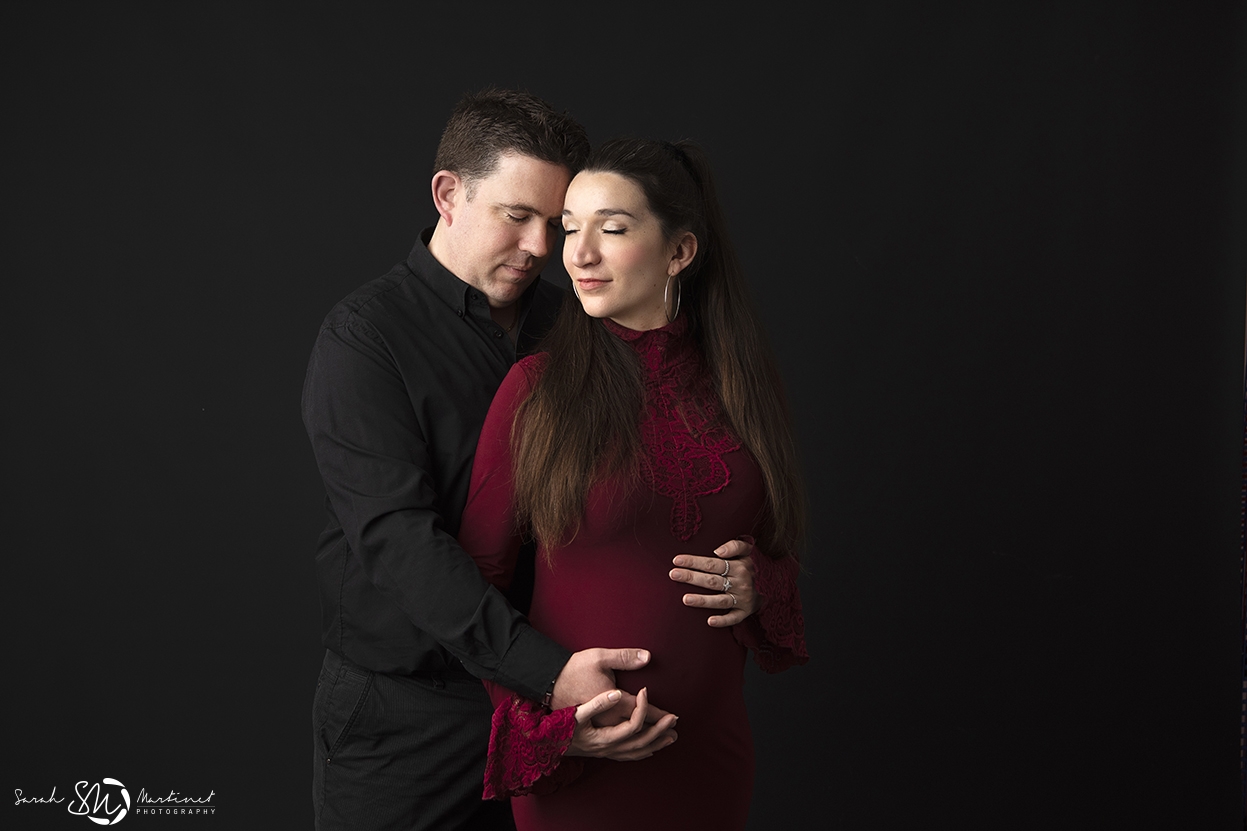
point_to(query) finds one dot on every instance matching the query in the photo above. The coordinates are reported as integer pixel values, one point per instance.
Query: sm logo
(103, 803)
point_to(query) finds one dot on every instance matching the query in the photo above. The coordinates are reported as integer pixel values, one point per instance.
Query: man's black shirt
(398, 385)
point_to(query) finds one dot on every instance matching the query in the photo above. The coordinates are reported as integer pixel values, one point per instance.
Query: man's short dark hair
(491, 122)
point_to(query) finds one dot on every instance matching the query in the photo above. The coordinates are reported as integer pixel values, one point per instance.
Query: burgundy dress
(609, 587)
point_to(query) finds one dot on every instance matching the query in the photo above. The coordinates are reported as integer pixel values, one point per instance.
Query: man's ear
(448, 193)
(685, 251)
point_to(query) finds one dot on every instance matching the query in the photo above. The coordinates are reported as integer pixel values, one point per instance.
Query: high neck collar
(663, 334)
(662, 351)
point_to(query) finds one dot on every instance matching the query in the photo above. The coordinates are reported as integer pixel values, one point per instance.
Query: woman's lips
(588, 285)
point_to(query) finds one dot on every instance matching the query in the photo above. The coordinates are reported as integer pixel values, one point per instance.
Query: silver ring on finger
(727, 566)
(727, 583)
(733, 599)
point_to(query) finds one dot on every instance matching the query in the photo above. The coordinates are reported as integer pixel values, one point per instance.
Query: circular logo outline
(125, 795)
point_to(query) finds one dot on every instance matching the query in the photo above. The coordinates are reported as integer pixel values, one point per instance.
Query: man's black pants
(398, 752)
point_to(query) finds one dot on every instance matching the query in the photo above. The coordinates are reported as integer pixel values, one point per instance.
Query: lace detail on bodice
(682, 446)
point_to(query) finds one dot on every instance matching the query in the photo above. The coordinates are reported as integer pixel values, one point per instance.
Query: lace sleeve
(526, 747)
(775, 633)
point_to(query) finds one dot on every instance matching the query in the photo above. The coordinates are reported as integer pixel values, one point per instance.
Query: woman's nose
(582, 250)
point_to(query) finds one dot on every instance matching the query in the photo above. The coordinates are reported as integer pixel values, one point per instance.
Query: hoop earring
(671, 316)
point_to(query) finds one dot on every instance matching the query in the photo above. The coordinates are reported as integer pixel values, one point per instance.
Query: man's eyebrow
(518, 206)
(605, 212)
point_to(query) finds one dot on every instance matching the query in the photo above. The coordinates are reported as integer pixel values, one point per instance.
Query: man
(398, 384)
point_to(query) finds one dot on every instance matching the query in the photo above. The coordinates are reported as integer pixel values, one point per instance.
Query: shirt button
(497, 334)
(459, 312)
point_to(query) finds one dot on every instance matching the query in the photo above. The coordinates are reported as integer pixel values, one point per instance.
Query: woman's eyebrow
(605, 212)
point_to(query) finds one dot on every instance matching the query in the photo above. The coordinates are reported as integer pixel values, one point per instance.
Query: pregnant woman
(650, 429)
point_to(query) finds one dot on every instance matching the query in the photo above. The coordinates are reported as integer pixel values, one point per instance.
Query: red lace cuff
(526, 747)
(776, 633)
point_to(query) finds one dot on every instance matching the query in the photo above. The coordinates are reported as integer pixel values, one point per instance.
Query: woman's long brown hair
(579, 425)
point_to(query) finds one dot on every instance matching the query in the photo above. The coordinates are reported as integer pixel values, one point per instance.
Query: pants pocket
(340, 699)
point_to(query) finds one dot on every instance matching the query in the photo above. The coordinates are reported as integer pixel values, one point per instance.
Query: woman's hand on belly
(625, 741)
(729, 575)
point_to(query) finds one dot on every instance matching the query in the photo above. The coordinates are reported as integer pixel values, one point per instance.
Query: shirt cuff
(530, 664)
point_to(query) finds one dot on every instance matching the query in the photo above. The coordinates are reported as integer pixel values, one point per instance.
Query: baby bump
(583, 604)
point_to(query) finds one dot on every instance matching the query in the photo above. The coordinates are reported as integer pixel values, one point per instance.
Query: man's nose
(538, 239)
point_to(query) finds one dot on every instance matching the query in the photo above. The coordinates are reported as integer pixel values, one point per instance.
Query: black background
(999, 248)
